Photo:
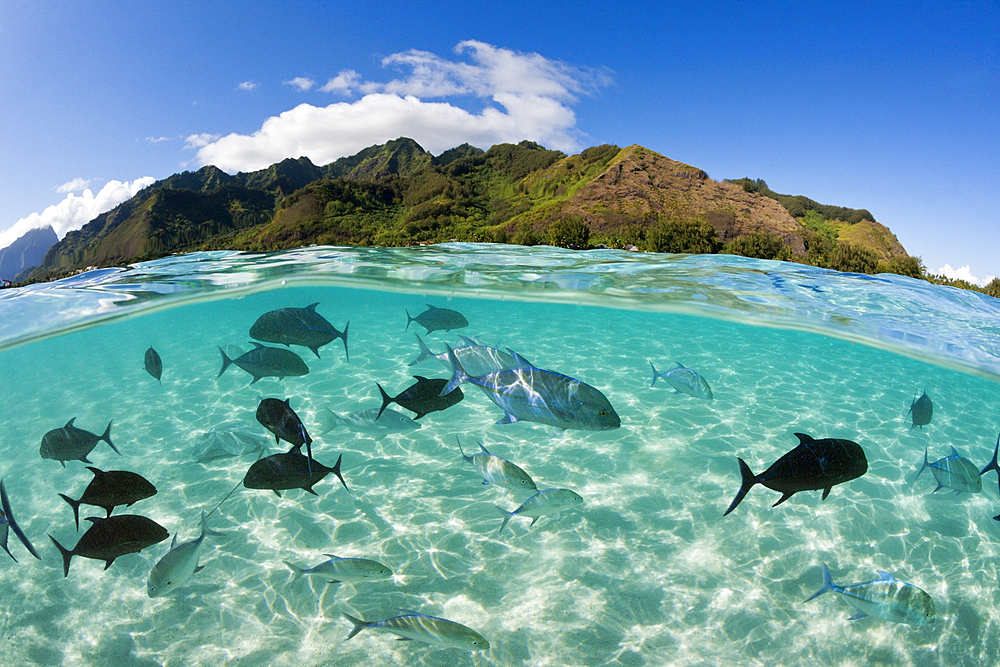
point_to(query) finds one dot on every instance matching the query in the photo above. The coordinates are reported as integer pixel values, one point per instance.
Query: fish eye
(602, 413)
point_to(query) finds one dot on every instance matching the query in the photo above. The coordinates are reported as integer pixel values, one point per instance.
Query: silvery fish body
(368, 422)
(178, 564)
(438, 319)
(428, 629)
(527, 393)
(338, 569)
(298, 326)
(921, 411)
(684, 381)
(70, 443)
(496, 470)
(954, 472)
(477, 359)
(885, 597)
(263, 361)
(229, 439)
(549, 501)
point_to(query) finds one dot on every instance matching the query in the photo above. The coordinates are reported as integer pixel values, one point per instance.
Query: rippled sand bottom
(648, 572)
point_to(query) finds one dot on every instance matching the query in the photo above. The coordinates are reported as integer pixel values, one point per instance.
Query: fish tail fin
(5, 503)
(359, 625)
(926, 463)
(226, 361)
(336, 471)
(343, 337)
(386, 400)
(458, 373)
(828, 584)
(425, 352)
(748, 480)
(992, 465)
(75, 504)
(106, 437)
(205, 530)
(464, 457)
(506, 517)
(67, 555)
(655, 374)
(409, 318)
(295, 568)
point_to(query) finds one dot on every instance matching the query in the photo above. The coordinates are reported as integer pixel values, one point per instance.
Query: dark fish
(921, 411)
(280, 472)
(70, 443)
(154, 365)
(992, 465)
(298, 326)
(112, 537)
(279, 418)
(814, 464)
(110, 489)
(263, 361)
(7, 523)
(438, 319)
(422, 397)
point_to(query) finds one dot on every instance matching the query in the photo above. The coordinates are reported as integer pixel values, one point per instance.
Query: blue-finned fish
(178, 564)
(684, 381)
(885, 597)
(337, 570)
(496, 470)
(548, 501)
(953, 472)
(477, 359)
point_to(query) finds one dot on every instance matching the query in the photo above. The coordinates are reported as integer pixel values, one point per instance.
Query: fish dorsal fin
(804, 438)
(954, 452)
(484, 450)
(411, 612)
(472, 342)
(885, 576)
(173, 542)
(678, 365)
(420, 378)
(430, 307)
(288, 403)
(332, 556)
(256, 344)
(96, 519)
(312, 307)
(69, 424)
(296, 449)
(521, 362)
(95, 471)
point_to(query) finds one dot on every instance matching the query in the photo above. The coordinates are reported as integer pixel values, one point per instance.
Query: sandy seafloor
(648, 572)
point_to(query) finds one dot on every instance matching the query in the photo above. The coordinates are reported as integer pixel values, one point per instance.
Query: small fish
(953, 472)
(429, 629)
(298, 326)
(438, 319)
(154, 365)
(885, 597)
(7, 523)
(992, 465)
(423, 397)
(178, 564)
(263, 361)
(279, 418)
(280, 472)
(368, 422)
(70, 443)
(477, 359)
(110, 489)
(527, 393)
(112, 537)
(549, 501)
(684, 381)
(496, 470)
(813, 465)
(921, 411)
(340, 569)
(228, 439)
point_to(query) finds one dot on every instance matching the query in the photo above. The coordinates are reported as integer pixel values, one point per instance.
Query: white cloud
(247, 85)
(301, 83)
(75, 211)
(75, 185)
(200, 140)
(963, 273)
(529, 97)
(156, 140)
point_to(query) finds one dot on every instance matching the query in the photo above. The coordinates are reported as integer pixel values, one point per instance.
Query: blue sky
(893, 107)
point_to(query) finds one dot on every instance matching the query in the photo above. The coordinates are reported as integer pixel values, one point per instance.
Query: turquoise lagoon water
(647, 572)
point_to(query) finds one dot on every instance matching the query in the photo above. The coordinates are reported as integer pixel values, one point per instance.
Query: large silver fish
(885, 597)
(338, 569)
(527, 393)
(684, 381)
(953, 472)
(477, 359)
(496, 470)
(178, 564)
(549, 501)
(429, 629)
(368, 422)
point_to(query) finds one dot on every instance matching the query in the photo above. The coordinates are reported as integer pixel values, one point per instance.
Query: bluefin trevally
(112, 537)
(953, 472)
(153, 363)
(429, 629)
(7, 523)
(813, 465)
(178, 564)
(368, 422)
(527, 393)
(496, 470)
(885, 597)
(278, 417)
(70, 443)
(263, 361)
(298, 326)
(109, 490)
(230, 438)
(337, 570)
(423, 397)
(684, 381)
(438, 319)
(477, 359)
(921, 411)
(548, 501)
(291, 470)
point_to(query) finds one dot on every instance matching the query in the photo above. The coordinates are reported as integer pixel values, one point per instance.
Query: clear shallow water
(648, 572)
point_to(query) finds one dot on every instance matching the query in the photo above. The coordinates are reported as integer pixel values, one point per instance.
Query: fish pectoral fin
(108, 563)
(335, 581)
(533, 521)
(827, 491)
(404, 639)
(486, 482)
(507, 419)
(199, 568)
(783, 498)
(858, 615)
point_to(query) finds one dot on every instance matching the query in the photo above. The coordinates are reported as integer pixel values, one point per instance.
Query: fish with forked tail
(337, 570)
(496, 470)
(298, 326)
(423, 397)
(292, 470)
(178, 564)
(992, 465)
(953, 472)
(110, 489)
(549, 501)
(429, 629)
(684, 381)
(885, 597)
(112, 537)
(70, 443)
(921, 411)
(438, 319)
(263, 361)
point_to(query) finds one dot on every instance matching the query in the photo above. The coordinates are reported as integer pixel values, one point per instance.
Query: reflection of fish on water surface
(885, 597)
(953, 472)
(298, 326)
(429, 629)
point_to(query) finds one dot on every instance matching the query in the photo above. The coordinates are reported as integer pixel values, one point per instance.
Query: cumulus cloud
(301, 83)
(526, 96)
(247, 85)
(963, 273)
(75, 211)
(75, 185)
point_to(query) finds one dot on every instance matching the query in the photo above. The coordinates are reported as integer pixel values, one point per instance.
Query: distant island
(398, 194)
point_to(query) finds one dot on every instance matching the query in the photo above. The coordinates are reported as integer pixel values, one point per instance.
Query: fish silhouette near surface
(279, 418)
(921, 411)
(352, 570)
(178, 564)
(496, 470)
(368, 422)
(110, 489)
(263, 361)
(953, 472)
(428, 629)
(885, 597)
(228, 439)
(423, 397)
(684, 381)
(548, 501)
(7, 524)
(477, 359)
(153, 363)
(298, 326)
(112, 537)
(527, 393)
(70, 443)
(813, 465)
(438, 319)
(292, 470)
